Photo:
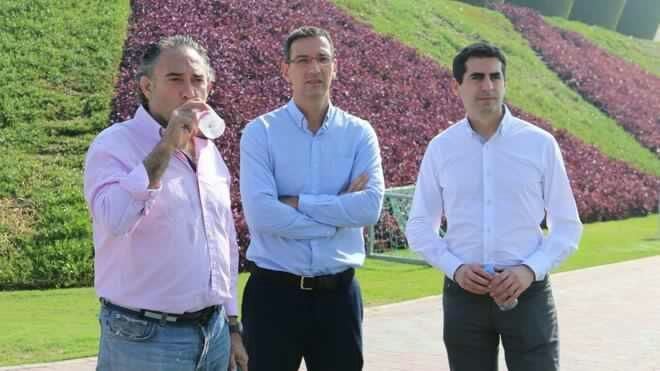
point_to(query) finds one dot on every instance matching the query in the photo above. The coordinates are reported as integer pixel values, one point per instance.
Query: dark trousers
(284, 324)
(474, 325)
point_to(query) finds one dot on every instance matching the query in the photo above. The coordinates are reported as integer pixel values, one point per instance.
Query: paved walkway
(609, 320)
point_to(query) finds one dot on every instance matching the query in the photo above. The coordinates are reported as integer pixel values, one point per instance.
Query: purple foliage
(619, 88)
(604, 189)
(405, 96)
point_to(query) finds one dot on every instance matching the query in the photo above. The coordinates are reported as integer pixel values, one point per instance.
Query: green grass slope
(439, 28)
(57, 67)
(644, 53)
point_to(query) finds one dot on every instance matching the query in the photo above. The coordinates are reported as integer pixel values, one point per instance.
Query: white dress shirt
(494, 195)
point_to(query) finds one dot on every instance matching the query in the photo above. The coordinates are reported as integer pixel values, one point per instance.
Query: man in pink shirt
(166, 256)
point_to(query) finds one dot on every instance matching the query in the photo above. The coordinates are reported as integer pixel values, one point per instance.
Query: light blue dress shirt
(280, 156)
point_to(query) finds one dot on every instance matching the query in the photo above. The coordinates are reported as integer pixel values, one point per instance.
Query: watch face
(235, 328)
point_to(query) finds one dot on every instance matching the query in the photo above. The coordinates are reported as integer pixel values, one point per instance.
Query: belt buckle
(302, 284)
(162, 317)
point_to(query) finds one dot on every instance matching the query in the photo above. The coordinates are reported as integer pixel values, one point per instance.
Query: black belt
(200, 316)
(325, 282)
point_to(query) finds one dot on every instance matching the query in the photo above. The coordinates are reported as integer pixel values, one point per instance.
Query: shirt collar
(506, 123)
(503, 129)
(301, 122)
(146, 125)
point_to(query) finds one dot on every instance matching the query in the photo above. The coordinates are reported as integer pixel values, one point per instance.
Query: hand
(238, 356)
(510, 283)
(290, 200)
(473, 278)
(182, 125)
(357, 184)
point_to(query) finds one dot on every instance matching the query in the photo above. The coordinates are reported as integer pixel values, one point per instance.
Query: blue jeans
(131, 343)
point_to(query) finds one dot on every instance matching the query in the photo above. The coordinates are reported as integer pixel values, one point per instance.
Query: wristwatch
(235, 327)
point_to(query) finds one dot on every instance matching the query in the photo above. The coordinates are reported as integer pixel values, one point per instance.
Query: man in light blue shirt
(311, 178)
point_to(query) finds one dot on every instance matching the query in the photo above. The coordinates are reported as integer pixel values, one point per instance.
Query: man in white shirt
(494, 177)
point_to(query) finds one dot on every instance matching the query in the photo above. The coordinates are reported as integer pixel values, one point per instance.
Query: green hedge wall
(604, 13)
(552, 8)
(58, 63)
(640, 18)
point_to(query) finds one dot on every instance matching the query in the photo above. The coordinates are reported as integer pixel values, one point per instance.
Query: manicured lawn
(58, 66)
(616, 241)
(39, 326)
(47, 325)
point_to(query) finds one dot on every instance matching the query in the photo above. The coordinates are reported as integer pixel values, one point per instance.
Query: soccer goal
(386, 240)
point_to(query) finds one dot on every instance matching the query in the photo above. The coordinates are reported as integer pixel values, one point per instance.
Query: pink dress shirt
(171, 249)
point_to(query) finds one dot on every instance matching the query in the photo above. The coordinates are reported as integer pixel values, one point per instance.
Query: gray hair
(152, 54)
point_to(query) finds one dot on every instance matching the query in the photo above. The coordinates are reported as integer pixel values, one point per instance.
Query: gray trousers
(474, 325)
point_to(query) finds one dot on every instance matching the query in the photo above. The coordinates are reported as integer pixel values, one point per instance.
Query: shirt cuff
(445, 261)
(538, 263)
(232, 307)
(136, 183)
(449, 264)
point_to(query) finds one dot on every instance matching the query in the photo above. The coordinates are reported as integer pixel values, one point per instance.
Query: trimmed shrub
(604, 13)
(551, 8)
(640, 18)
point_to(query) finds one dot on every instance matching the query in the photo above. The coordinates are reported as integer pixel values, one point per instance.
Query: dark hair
(152, 54)
(304, 32)
(476, 50)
